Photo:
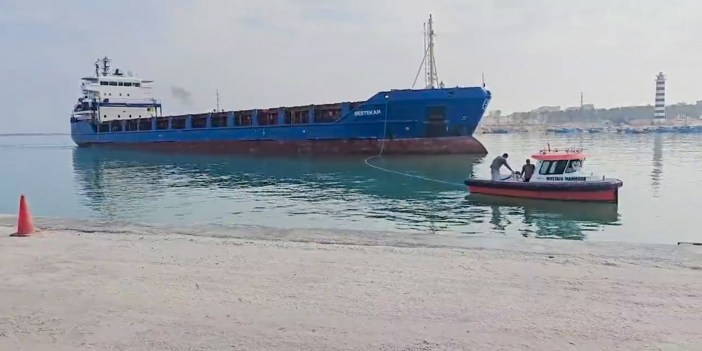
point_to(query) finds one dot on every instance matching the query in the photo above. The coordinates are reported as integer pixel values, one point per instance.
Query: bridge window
(104, 83)
(137, 84)
(127, 84)
(114, 84)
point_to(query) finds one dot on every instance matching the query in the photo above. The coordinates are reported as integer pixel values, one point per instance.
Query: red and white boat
(558, 175)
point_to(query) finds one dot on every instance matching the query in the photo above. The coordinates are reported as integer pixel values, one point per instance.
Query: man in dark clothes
(497, 163)
(528, 170)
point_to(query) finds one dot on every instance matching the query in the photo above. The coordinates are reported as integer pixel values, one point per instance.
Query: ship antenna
(217, 94)
(426, 62)
(431, 78)
(432, 75)
(105, 66)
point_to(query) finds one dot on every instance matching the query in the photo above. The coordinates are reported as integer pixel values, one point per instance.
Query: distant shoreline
(636, 127)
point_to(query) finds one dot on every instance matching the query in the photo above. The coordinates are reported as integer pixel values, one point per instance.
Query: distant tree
(616, 115)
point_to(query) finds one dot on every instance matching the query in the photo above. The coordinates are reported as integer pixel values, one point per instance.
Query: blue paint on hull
(411, 114)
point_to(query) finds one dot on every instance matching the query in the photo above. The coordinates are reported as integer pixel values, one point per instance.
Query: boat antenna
(217, 95)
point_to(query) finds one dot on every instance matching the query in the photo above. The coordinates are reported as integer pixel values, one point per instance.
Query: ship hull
(434, 146)
(431, 121)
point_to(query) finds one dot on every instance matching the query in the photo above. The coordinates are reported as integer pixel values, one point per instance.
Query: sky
(270, 53)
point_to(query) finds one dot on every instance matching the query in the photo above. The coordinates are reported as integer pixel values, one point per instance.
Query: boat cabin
(553, 165)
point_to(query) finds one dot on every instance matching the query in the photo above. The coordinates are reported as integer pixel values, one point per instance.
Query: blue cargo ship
(119, 110)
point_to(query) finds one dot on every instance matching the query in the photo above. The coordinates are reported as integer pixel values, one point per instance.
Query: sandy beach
(77, 290)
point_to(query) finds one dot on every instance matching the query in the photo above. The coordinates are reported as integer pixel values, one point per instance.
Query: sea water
(658, 203)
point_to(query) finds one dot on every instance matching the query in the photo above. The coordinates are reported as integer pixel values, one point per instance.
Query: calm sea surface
(661, 197)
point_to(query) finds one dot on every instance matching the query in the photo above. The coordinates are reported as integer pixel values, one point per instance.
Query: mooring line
(382, 148)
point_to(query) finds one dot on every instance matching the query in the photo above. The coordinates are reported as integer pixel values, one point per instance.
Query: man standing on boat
(497, 163)
(528, 170)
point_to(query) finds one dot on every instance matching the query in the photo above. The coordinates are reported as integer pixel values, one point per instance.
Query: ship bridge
(114, 95)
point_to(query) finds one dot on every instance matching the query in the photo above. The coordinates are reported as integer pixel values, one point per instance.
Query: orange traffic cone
(25, 226)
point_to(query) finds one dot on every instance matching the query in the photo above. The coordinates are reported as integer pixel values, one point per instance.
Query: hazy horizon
(297, 52)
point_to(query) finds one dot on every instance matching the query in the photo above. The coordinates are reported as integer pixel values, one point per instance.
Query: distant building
(585, 107)
(544, 109)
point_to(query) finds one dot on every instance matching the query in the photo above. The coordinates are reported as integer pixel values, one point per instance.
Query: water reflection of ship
(549, 219)
(117, 181)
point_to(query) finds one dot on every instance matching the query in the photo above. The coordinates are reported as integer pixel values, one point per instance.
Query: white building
(545, 109)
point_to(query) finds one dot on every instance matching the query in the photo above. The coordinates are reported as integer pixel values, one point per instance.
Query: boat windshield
(574, 166)
(553, 167)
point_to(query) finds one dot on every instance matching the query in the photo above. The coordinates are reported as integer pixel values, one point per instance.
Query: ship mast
(432, 77)
(103, 63)
(424, 59)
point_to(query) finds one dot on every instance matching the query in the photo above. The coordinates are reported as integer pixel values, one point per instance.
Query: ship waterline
(437, 146)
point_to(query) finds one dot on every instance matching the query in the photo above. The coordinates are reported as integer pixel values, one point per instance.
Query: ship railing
(129, 101)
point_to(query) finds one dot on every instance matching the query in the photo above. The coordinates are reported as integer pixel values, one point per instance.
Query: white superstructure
(114, 95)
